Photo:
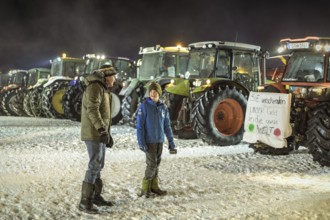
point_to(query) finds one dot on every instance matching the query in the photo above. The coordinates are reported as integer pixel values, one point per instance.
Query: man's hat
(155, 86)
(107, 70)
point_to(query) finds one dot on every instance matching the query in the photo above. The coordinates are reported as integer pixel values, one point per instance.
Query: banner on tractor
(267, 119)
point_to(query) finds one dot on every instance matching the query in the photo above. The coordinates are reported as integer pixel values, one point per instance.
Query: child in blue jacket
(152, 123)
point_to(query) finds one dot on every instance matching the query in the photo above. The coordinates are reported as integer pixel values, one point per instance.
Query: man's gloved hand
(143, 148)
(110, 144)
(104, 136)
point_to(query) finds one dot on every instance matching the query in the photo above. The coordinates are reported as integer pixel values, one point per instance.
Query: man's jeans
(153, 154)
(96, 153)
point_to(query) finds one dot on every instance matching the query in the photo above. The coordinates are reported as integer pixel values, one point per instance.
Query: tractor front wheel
(318, 134)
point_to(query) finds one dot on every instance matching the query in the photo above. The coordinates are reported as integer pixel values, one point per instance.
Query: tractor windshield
(67, 68)
(201, 63)
(19, 78)
(150, 66)
(93, 64)
(124, 69)
(305, 67)
(33, 78)
(4, 79)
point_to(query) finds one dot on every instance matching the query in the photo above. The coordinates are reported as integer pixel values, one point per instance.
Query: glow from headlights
(318, 47)
(280, 49)
(327, 48)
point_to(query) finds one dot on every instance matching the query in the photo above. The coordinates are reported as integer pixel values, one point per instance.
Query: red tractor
(307, 78)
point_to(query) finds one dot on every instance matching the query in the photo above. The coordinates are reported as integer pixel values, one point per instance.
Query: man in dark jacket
(95, 127)
(152, 122)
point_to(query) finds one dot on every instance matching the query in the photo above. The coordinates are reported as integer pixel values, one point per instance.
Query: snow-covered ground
(43, 161)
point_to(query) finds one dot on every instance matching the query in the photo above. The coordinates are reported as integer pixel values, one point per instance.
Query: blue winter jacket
(153, 121)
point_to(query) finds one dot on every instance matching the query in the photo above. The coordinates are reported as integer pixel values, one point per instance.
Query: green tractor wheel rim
(57, 101)
(228, 117)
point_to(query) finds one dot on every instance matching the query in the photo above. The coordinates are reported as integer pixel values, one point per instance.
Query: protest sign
(267, 119)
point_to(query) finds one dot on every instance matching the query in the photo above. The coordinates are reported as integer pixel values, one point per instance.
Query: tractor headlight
(197, 83)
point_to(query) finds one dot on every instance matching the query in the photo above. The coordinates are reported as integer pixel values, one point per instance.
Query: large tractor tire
(116, 104)
(52, 97)
(2, 112)
(218, 116)
(72, 103)
(27, 105)
(36, 102)
(129, 108)
(12, 103)
(318, 134)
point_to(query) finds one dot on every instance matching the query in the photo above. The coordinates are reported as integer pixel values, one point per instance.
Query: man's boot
(98, 199)
(86, 204)
(145, 191)
(155, 187)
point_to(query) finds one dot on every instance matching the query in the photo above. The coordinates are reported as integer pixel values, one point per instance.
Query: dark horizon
(33, 32)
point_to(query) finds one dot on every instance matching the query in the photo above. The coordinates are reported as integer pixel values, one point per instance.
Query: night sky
(35, 31)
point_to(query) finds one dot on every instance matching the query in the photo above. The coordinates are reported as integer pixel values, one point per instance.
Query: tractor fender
(216, 82)
(179, 87)
(57, 78)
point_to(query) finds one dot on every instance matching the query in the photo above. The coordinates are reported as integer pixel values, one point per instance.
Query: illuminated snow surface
(43, 161)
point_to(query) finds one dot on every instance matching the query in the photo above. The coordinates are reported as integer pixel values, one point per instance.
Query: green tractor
(13, 95)
(159, 64)
(307, 78)
(210, 101)
(73, 96)
(31, 103)
(63, 70)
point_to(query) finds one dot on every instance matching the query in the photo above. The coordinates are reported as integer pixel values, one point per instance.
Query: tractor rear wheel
(8, 100)
(218, 116)
(318, 134)
(26, 104)
(36, 102)
(72, 103)
(13, 103)
(52, 99)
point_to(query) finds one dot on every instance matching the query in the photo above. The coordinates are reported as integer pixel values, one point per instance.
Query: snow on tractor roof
(307, 43)
(224, 44)
(158, 49)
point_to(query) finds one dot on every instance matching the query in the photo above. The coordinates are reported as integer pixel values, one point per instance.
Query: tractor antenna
(236, 37)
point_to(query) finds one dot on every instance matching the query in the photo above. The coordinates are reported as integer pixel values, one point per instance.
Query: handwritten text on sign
(267, 119)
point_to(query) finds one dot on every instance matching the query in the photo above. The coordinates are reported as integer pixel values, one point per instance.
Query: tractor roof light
(64, 55)
(102, 57)
(327, 48)
(208, 82)
(318, 47)
(58, 59)
(172, 81)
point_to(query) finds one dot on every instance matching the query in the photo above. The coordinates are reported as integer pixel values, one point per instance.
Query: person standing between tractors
(95, 129)
(152, 122)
